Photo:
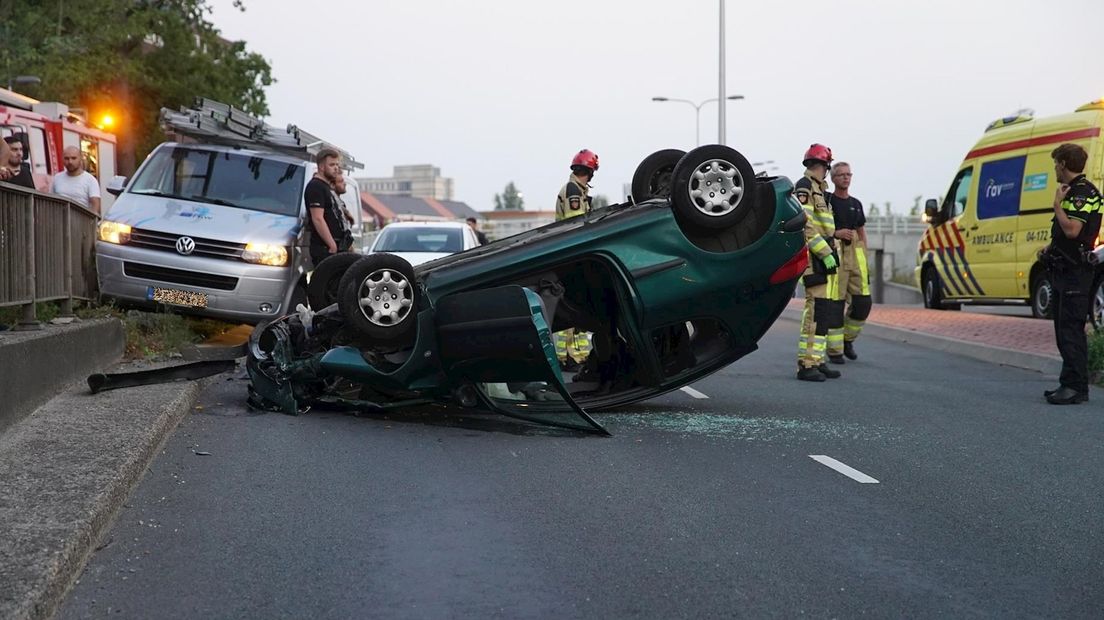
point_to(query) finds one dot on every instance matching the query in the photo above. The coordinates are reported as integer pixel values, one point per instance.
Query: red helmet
(818, 153)
(587, 159)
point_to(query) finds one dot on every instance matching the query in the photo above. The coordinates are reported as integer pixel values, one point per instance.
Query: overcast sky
(499, 90)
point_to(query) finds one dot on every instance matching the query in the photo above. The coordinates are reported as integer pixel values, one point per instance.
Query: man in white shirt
(76, 184)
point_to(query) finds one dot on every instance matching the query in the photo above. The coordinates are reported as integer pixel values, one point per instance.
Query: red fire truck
(46, 128)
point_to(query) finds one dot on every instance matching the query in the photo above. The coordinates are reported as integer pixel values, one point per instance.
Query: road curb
(984, 352)
(65, 472)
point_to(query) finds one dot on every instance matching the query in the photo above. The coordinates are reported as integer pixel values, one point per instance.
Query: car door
(946, 241)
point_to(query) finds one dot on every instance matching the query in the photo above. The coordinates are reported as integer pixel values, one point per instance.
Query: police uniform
(822, 310)
(854, 274)
(1071, 276)
(573, 199)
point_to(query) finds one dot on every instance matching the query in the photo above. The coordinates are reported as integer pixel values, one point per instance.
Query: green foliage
(1096, 355)
(129, 58)
(509, 200)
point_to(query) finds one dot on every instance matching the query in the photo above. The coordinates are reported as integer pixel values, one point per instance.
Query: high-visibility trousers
(573, 344)
(854, 290)
(817, 318)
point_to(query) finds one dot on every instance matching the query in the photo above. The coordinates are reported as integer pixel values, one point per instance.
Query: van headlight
(265, 254)
(114, 232)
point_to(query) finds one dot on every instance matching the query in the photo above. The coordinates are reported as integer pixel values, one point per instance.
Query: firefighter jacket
(573, 199)
(820, 224)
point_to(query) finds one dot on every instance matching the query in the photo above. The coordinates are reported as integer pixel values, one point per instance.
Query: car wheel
(1042, 297)
(378, 298)
(713, 187)
(1096, 305)
(652, 178)
(323, 287)
(932, 289)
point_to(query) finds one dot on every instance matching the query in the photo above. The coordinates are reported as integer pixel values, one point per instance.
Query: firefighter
(574, 197)
(572, 347)
(854, 276)
(1076, 224)
(822, 310)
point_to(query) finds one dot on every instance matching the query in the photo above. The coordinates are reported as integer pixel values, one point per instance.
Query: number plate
(179, 298)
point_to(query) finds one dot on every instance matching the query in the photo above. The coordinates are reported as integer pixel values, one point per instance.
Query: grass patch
(1096, 356)
(149, 335)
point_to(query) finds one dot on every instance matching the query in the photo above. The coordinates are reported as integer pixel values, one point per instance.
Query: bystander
(479, 234)
(75, 183)
(329, 233)
(20, 169)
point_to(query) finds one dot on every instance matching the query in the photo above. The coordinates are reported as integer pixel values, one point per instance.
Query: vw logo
(185, 245)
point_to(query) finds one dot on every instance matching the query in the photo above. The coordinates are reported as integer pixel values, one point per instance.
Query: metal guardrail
(47, 251)
(895, 224)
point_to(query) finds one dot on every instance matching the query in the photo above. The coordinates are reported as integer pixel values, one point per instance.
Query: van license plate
(176, 297)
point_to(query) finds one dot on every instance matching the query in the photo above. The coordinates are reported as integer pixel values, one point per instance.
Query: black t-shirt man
(319, 195)
(23, 178)
(847, 212)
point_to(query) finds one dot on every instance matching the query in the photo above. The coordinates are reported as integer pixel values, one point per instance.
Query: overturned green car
(680, 281)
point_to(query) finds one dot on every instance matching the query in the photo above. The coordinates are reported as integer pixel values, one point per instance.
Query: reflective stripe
(864, 270)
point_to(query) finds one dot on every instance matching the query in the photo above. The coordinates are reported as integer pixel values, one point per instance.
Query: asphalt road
(988, 503)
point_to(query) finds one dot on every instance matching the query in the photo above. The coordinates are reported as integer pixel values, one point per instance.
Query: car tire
(381, 319)
(298, 296)
(653, 176)
(713, 188)
(932, 288)
(323, 288)
(1042, 297)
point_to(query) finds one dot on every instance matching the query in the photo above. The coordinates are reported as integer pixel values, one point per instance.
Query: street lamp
(697, 111)
(23, 79)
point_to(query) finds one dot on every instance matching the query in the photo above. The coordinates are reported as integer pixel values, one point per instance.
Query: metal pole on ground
(30, 319)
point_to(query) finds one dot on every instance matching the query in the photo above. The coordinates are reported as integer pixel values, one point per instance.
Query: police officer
(1076, 224)
(854, 275)
(574, 197)
(820, 278)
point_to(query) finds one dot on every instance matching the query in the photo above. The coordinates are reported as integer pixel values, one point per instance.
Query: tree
(509, 200)
(888, 209)
(874, 209)
(916, 206)
(599, 201)
(129, 58)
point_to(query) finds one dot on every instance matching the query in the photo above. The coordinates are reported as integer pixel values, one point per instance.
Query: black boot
(837, 359)
(1067, 396)
(828, 372)
(809, 374)
(849, 350)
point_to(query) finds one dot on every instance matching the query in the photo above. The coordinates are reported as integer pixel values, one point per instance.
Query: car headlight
(265, 254)
(114, 232)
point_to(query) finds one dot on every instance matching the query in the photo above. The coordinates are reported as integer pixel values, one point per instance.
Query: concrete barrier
(37, 365)
(901, 295)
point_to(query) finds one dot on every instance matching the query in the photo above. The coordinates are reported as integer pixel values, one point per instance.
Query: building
(382, 209)
(419, 181)
(500, 224)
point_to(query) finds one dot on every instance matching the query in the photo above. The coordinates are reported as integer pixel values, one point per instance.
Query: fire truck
(47, 128)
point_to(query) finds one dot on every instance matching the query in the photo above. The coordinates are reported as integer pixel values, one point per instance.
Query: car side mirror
(116, 185)
(931, 208)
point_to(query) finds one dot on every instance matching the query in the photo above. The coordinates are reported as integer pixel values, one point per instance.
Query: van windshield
(436, 240)
(228, 179)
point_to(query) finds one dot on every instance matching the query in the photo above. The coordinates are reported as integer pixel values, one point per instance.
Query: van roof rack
(1019, 116)
(214, 122)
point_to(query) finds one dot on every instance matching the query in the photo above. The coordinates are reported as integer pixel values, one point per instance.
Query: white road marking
(691, 391)
(846, 470)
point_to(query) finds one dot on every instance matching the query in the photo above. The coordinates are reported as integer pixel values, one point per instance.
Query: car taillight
(792, 268)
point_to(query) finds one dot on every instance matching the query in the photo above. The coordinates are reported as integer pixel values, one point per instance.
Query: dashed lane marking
(691, 391)
(844, 469)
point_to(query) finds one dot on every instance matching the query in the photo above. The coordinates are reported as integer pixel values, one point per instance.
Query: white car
(421, 242)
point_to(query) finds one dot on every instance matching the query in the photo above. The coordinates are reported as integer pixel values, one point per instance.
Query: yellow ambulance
(982, 241)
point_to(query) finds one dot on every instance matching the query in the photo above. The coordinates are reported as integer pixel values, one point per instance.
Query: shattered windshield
(222, 178)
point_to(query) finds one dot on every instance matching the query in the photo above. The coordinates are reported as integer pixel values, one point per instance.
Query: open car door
(499, 341)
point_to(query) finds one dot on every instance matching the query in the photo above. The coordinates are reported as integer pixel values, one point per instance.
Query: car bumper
(238, 291)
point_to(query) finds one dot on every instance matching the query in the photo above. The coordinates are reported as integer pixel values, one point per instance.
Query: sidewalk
(1014, 341)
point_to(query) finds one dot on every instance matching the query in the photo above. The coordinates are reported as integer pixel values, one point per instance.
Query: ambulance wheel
(713, 188)
(378, 298)
(323, 287)
(1042, 296)
(932, 288)
(652, 178)
(1096, 304)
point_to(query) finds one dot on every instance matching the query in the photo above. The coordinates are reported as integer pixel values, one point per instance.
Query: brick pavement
(1008, 332)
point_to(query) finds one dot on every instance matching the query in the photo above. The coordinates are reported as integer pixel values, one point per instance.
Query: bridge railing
(47, 251)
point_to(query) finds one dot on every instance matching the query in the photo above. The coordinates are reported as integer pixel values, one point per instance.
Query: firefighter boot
(838, 359)
(809, 374)
(828, 372)
(849, 350)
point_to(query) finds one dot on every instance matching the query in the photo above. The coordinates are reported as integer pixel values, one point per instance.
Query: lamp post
(697, 111)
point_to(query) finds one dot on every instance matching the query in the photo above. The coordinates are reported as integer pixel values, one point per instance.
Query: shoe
(810, 374)
(837, 359)
(849, 350)
(1049, 392)
(1067, 396)
(828, 372)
